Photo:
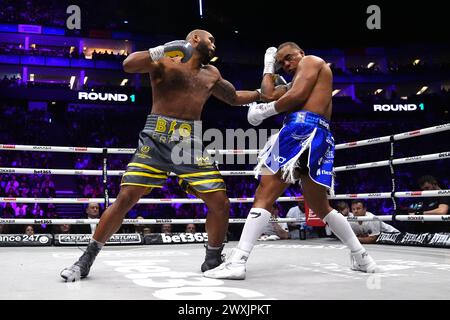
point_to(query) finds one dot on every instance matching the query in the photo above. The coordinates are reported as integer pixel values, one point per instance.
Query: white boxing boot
(362, 261)
(233, 268)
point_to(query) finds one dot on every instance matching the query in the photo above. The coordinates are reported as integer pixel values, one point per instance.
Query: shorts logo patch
(279, 159)
(145, 149)
(203, 161)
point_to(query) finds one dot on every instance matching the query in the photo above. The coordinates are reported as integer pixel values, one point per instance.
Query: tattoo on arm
(225, 91)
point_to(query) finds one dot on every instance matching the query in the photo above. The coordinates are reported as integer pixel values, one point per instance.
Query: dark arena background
(70, 118)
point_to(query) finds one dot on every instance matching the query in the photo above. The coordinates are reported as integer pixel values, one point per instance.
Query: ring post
(392, 169)
(105, 177)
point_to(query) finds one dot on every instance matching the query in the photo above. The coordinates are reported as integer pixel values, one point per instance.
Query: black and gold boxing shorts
(172, 145)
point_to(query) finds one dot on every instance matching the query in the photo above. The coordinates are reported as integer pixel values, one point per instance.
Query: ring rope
(383, 163)
(411, 218)
(133, 221)
(77, 172)
(105, 173)
(396, 137)
(374, 195)
(384, 139)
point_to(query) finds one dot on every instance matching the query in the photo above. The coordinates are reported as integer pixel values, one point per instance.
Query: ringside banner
(24, 240)
(83, 239)
(415, 239)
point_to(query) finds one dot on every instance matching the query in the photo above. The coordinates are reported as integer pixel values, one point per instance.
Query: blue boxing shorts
(304, 144)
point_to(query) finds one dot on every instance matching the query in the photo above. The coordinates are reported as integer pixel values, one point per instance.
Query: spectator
(63, 229)
(139, 228)
(147, 230)
(297, 212)
(343, 208)
(22, 210)
(3, 228)
(275, 231)
(37, 211)
(29, 230)
(143, 229)
(437, 205)
(190, 228)
(8, 210)
(93, 212)
(367, 232)
(166, 228)
(430, 206)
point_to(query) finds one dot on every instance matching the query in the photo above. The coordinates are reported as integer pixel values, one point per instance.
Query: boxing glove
(269, 60)
(260, 111)
(279, 80)
(177, 48)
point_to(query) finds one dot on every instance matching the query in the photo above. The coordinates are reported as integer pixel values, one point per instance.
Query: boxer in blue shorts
(182, 81)
(303, 151)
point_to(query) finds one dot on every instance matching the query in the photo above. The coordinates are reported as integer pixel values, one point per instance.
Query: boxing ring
(297, 270)
(314, 269)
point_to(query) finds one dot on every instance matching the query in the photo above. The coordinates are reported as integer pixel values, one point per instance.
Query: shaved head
(197, 32)
(290, 44)
(288, 56)
(203, 42)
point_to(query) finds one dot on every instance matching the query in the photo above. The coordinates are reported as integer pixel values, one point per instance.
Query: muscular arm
(368, 239)
(302, 86)
(268, 90)
(442, 210)
(283, 234)
(226, 92)
(139, 62)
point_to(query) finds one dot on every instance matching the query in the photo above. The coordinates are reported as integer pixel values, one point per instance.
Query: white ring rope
(384, 163)
(421, 158)
(413, 218)
(132, 221)
(400, 136)
(141, 201)
(99, 172)
(375, 195)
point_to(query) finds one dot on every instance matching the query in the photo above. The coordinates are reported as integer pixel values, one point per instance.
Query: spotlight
(424, 88)
(335, 92)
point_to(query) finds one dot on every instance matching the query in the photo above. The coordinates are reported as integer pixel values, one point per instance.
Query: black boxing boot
(213, 258)
(80, 269)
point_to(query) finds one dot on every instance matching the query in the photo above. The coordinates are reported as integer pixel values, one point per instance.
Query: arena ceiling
(261, 23)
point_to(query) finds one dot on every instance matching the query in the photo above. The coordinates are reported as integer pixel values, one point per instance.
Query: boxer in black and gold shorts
(182, 81)
(161, 146)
